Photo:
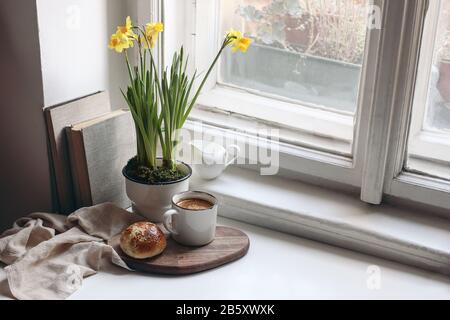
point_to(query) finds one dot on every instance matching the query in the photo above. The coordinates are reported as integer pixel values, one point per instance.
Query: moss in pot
(160, 105)
(146, 175)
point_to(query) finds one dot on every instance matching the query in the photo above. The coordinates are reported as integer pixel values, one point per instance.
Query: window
(304, 66)
(358, 89)
(429, 144)
(307, 51)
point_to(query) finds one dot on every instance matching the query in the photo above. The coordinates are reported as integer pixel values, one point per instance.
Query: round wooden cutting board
(229, 244)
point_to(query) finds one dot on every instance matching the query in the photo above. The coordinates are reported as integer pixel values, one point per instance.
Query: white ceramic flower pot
(152, 200)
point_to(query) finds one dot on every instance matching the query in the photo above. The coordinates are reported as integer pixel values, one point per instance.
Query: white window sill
(430, 154)
(282, 266)
(414, 238)
(277, 266)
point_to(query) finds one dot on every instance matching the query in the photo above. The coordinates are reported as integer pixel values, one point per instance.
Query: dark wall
(24, 168)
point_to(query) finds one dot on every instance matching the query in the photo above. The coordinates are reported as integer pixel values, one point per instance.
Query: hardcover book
(57, 119)
(99, 148)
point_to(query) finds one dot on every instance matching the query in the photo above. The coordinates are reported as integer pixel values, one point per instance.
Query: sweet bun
(142, 240)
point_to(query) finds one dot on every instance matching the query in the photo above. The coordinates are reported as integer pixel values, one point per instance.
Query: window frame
(388, 81)
(300, 158)
(343, 132)
(432, 192)
(429, 146)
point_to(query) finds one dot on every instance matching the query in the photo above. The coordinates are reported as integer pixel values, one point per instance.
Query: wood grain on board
(57, 119)
(229, 245)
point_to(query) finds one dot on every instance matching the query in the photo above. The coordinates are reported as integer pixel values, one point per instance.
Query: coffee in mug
(192, 219)
(195, 204)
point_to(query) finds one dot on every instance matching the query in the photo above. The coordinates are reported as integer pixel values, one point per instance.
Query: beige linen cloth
(48, 255)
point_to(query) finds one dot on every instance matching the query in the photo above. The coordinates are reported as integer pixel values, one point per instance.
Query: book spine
(78, 165)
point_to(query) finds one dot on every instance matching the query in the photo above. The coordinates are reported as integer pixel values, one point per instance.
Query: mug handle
(237, 151)
(167, 220)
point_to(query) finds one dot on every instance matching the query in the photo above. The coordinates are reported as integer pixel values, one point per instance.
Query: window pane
(306, 50)
(429, 143)
(438, 113)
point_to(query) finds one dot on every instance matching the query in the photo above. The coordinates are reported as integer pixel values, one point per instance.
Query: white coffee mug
(192, 227)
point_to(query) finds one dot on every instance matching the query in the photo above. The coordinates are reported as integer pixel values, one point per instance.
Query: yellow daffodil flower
(127, 29)
(152, 31)
(119, 41)
(124, 37)
(238, 41)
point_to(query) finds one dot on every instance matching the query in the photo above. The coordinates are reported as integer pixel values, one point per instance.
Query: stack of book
(90, 145)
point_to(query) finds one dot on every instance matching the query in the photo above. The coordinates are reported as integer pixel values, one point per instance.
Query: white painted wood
(426, 143)
(403, 235)
(422, 189)
(377, 154)
(393, 28)
(297, 269)
(291, 158)
(401, 116)
(324, 127)
(368, 84)
(425, 167)
(425, 63)
(433, 146)
(221, 118)
(237, 104)
(415, 187)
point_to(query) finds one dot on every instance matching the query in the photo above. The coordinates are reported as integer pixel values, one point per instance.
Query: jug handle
(236, 154)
